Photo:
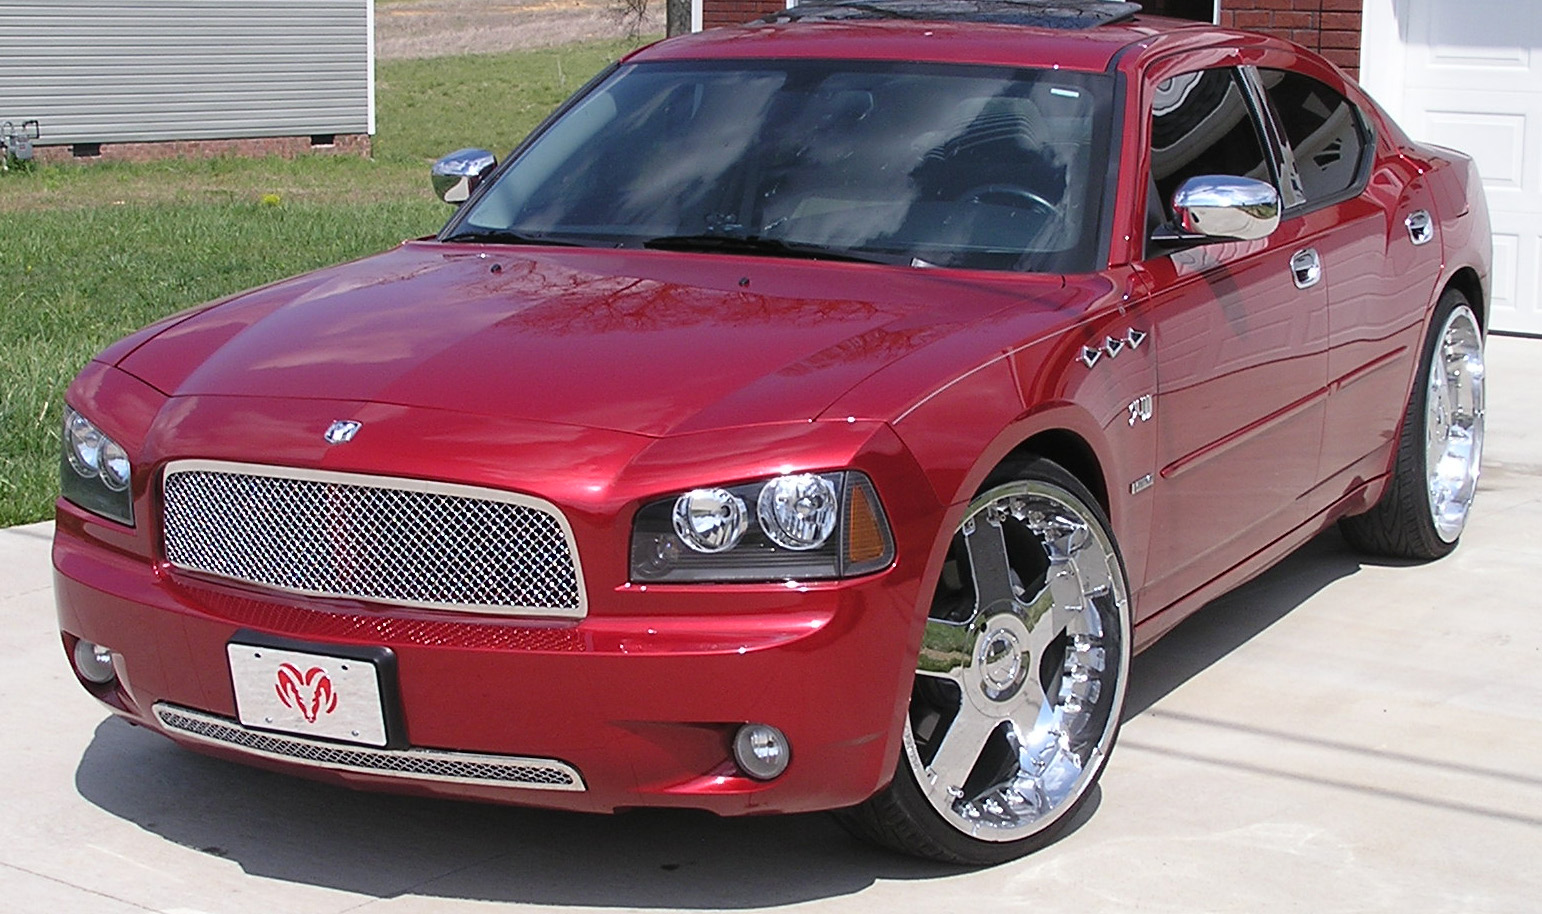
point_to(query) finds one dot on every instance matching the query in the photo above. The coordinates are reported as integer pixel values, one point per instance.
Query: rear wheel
(1020, 679)
(1435, 477)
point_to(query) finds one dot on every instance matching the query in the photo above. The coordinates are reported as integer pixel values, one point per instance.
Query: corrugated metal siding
(114, 71)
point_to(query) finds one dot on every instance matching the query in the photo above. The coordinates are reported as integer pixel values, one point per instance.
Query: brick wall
(715, 13)
(1329, 27)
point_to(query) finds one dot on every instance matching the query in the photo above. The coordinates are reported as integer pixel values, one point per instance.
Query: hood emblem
(342, 431)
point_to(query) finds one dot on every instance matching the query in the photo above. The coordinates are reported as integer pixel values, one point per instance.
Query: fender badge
(1111, 347)
(1141, 408)
(342, 431)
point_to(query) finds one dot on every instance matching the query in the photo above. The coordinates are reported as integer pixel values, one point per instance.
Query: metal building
(100, 72)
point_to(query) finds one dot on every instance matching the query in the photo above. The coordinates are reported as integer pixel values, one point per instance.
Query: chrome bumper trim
(418, 764)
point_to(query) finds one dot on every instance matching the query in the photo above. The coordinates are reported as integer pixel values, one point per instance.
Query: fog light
(761, 751)
(94, 662)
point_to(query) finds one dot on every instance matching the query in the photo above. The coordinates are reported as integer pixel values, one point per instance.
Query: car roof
(1089, 48)
(1059, 14)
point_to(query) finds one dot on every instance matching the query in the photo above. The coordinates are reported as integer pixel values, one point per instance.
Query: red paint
(600, 380)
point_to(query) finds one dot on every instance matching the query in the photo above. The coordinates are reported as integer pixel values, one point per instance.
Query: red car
(812, 415)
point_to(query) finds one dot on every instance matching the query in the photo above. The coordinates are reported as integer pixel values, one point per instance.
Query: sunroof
(1055, 14)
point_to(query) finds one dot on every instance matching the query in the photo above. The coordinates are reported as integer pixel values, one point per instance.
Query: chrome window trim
(1287, 178)
(453, 490)
(176, 719)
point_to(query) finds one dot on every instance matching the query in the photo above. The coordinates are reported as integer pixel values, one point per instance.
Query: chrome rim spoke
(961, 748)
(1069, 588)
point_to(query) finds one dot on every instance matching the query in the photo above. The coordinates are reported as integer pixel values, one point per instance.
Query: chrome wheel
(1022, 668)
(1429, 492)
(1453, 422)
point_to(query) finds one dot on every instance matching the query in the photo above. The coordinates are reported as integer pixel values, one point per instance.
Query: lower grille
(419, 764)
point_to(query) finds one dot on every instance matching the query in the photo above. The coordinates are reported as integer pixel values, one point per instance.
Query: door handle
(1421, 227)
(1306, 268)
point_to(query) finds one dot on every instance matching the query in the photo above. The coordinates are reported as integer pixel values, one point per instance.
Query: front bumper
(640, 700)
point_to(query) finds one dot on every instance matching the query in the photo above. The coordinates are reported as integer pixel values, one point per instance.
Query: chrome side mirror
(456, 175)
(1222, 208)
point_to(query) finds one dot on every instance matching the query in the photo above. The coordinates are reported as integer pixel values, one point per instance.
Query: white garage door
(1468, 74)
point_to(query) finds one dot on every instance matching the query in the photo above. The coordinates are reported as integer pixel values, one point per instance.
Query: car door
(1370, 223)
(1241, 332)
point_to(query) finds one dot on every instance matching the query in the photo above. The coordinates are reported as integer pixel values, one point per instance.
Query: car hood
(644, 342)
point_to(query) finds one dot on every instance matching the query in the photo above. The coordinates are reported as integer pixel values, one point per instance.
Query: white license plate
(308, 694)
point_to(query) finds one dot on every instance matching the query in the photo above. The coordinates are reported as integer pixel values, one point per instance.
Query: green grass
(89, 252)
(429, 107)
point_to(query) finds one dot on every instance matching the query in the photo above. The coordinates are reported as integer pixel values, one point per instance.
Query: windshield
(977, 167)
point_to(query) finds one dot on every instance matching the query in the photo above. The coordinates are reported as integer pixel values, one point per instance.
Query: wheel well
(1466, 281)
(1070, 451)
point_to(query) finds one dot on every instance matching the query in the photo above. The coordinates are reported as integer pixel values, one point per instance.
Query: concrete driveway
(1337, 736)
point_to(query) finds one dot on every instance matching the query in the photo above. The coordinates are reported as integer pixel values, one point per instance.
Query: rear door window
(1326, 133)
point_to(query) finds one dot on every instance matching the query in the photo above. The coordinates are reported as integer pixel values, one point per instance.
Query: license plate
(308, 694)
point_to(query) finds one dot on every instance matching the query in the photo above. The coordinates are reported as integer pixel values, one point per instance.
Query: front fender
(1044, 398)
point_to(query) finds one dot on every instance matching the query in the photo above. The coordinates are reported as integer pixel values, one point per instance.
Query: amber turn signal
(864, 537)
(869, 546)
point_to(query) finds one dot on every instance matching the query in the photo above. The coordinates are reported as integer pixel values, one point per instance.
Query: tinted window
(1201, 125)
(1323, 128)
(978, 167)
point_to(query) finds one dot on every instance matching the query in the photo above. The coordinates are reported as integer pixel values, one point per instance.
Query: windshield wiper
(754, 244)
(504, 236)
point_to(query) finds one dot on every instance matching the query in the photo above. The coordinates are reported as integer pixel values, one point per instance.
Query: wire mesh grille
(277, 614)
(426, 764)
(396, 542)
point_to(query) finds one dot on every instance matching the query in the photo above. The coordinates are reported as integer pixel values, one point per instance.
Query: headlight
(95, 473)
(710, 520)
(805, 526)
(82, 444)
(797, 512)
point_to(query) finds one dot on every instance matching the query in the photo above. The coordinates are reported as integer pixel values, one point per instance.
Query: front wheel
(1435, 475)
(1020, 679)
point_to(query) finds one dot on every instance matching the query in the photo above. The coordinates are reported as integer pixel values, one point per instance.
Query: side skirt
(1152, 627)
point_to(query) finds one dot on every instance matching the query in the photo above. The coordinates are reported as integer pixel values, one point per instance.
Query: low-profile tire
(1440, 451)
(1020, 680)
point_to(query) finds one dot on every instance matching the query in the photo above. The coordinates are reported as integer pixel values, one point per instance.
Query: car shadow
(1232, 620)
(384, 846)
